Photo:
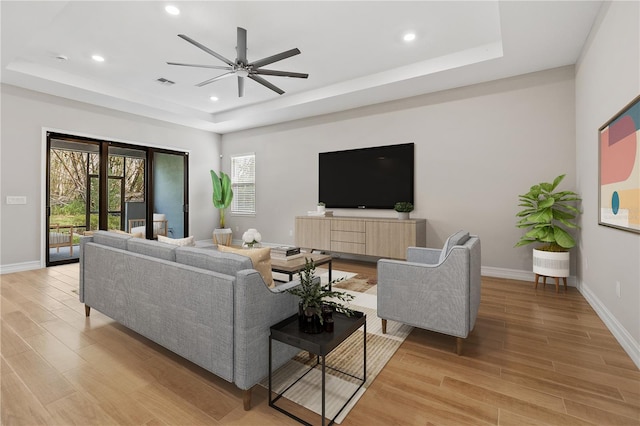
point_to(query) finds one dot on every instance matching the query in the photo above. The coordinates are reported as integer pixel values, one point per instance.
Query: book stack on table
(286, 253)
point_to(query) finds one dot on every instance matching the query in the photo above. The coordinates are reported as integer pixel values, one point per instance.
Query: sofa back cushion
(213, 260)
(457, 239)
(152, 248)
(111, 239)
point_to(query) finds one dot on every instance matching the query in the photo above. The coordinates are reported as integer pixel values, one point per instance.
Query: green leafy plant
(403, 207)
(321, 203)
(547, 214)
(222, 193)
(313, 295)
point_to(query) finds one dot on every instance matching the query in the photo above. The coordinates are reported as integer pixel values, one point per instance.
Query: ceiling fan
(241, 67)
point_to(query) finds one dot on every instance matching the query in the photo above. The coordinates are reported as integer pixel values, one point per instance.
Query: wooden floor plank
(44, 381)
(535, 357)
(19, 405)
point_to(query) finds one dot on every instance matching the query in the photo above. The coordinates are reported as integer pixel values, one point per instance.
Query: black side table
(321, 345)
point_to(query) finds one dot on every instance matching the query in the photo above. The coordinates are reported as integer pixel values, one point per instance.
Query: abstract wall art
(619, 174)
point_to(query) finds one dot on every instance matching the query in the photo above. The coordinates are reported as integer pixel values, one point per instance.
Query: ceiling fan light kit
(241, 68)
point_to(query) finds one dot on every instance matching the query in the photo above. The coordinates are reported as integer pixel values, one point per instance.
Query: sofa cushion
(212, 260)
(188, 241)
(152, 248)
(260, 258)
(111, 239)
(457, 239)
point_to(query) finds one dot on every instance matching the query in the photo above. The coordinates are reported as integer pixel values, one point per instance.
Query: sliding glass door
(169, 182)
(93, 184)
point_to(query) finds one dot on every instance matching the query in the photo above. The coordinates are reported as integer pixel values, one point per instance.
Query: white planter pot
(403, 215)
(320, 208)
(222, 236)
(551, 263)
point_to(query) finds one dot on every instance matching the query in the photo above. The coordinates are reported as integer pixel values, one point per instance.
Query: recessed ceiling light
(409, 37)
(214, 98)
(97, 58)
(172, 10)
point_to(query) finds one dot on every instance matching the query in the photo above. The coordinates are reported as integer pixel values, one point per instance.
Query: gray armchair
(437, 290)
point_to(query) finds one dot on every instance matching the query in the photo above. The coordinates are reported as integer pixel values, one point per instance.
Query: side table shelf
(321, 345)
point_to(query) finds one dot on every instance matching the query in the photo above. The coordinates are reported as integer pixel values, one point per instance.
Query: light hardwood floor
(534, 357)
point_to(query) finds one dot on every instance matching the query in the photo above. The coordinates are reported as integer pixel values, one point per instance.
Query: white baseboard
(20, 267)
(631, 347)
(516, 274)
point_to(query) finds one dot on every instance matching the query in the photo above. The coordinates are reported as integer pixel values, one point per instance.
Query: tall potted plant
(222, 196)
(547, 215)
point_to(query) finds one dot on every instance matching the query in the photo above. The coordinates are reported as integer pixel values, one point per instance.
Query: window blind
(243, 183)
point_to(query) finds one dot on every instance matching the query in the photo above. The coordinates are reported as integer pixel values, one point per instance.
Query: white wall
(24, 115)
(608, 78)
(477, 148)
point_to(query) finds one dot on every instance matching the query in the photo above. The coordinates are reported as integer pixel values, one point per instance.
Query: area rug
(346, 357)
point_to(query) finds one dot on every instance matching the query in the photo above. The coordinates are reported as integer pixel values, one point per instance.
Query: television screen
(366, 178)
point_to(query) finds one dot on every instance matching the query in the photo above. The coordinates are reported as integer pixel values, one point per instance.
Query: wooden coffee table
(293, 266)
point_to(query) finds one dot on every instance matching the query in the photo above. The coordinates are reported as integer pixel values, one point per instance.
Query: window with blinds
(243, 183)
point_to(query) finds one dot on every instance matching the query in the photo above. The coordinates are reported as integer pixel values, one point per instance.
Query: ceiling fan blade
(220, 77)
(242, 46)
(281, 73)
(215, 67)
(240, 86)
(275, 58)
(206, 49)
(265, 83)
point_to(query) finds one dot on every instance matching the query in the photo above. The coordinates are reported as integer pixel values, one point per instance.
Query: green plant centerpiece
(222, 193)
(546, 216)
(316, 298)
(403, 208)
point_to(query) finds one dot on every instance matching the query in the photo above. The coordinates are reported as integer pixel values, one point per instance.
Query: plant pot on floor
(551, 263)
(222, 236)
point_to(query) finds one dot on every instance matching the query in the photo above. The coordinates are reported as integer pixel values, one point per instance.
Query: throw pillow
(260, 258)
(188, 241)
(133, 234)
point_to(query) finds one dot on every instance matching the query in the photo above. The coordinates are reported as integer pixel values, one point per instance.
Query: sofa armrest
(83, 241)
(423, 255)
(283, 287)
(256, 309)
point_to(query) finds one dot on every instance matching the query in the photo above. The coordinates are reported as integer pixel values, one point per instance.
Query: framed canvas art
(619, 169)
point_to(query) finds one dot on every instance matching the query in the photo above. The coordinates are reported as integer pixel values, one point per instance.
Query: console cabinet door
(390, 239)
(313, 233)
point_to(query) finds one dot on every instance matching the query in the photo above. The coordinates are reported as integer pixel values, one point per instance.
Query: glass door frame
(103, 186)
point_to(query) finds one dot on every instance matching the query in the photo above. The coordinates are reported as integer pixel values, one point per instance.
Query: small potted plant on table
(546, 215)
(316, 300)
(403, 208)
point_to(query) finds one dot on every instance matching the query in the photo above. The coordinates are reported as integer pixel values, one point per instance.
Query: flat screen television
(366, 178)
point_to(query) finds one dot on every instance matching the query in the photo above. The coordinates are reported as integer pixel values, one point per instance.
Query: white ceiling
(352, 50)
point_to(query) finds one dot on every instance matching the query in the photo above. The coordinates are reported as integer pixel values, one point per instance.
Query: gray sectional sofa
(207, 306)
